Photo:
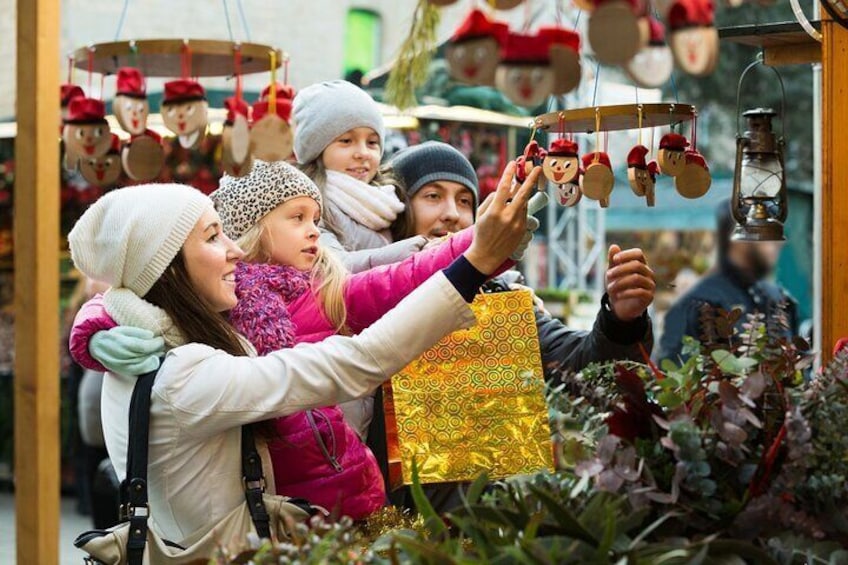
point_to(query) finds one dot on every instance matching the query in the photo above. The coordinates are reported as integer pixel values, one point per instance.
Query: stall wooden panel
(37, 283)
(834, 184)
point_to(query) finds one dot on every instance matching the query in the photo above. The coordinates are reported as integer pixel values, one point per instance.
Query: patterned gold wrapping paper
(474, 402)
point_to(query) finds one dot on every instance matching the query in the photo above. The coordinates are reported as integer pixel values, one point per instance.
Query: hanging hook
(757, 62)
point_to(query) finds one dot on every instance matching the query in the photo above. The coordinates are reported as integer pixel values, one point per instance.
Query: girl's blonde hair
(316, 171)
(327, 278)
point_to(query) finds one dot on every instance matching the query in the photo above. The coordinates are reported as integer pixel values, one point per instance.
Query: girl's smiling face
(356, 153)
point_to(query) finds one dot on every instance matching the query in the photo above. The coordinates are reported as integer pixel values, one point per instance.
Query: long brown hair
(193, 315)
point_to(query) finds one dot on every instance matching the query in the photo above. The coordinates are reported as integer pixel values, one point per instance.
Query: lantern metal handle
(759, 61)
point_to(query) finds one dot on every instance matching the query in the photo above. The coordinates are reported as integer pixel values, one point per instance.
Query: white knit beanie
(129, 236)
(324, 111)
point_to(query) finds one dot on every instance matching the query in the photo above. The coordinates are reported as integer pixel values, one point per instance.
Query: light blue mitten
(127, 350)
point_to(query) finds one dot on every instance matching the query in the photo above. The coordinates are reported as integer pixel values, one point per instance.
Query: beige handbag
(133, 543)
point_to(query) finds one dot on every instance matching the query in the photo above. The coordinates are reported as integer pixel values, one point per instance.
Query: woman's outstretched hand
(501, 221)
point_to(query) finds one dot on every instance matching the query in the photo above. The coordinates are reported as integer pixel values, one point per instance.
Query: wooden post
(834, 184)
(36, 233)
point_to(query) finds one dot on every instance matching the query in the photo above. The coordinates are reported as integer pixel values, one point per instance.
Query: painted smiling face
(525, 85)
(102, 171)
(187, 120)
(131, 113)
(474, 61)
(86, 133)
(695, 49)
(671, 155)
(560, 169)
(569, 194)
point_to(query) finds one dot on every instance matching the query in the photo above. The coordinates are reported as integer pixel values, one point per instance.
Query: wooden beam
(36, 233)
(792, 54)
(834, 182)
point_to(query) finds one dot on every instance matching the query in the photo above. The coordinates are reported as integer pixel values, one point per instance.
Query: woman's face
(442, 207)
(291, 233)
(210, 259)
(356, 153)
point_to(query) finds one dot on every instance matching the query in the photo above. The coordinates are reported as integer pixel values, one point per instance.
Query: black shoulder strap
(134, 506)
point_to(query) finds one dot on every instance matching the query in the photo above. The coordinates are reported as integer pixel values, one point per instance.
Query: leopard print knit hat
(243, 201)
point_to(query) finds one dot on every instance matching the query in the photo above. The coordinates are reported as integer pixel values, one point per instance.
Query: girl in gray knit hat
(338, 144)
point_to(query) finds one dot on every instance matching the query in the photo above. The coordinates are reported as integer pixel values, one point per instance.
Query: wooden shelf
(783, 43)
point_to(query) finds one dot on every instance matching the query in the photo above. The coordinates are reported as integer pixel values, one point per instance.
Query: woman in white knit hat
(171, 269)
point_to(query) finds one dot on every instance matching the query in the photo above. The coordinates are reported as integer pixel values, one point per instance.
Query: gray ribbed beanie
(433, 161)
(130, 235)
(324, 111)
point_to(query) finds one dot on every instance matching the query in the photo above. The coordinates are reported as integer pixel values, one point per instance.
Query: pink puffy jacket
(317, 455)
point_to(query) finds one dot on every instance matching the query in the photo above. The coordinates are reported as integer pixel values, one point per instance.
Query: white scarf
(373, 206)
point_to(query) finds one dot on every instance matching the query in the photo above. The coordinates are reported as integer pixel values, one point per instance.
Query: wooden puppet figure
(653, 64)
(561, 163)
(105, 170)
(642, 175)
(671, 155)
(533, 157)
(597, 181)
(525, 74)
(695, 180)
(130, 105)
(694, 38)
(474, 50)
(185, 111)
(86, 132)
(271, 136)
(236, 157)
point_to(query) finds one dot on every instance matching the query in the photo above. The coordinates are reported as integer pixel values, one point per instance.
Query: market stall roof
(465, 114)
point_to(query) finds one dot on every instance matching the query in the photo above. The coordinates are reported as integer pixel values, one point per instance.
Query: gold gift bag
(474, 402)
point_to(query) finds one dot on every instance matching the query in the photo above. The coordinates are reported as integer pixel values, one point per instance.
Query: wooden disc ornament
(236, 157)
(130, 105)
(143, 157)
(597, 181)
(105, 170)
(85, 132)
(695, 180)
(561, 164)
(693, 39)
(671, 155)
(271, 136)
(651, 67)
(525, 74)
(474, 50)
(614, 32)
(564, 53)
(185, 111)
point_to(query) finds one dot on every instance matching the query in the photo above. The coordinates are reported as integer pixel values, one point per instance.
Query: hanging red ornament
(642, 175)
(67, 93)
(561, 163)
(695, 180)
(693, 38)
(653, 64)
(105, 170)
(671, 154)
(236, 158)
(598, 180)
(130, 105)
(185, 111)
(525, 74)
(474, 49)
(533, 156)
(565, 57)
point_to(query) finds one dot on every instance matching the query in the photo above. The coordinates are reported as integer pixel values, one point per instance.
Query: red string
(90, 68)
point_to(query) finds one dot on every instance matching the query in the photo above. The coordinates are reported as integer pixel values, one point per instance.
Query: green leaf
(428, 551)
(731, 364)
(432, 521)
(741, 549)
(475, 491)
(564, 517)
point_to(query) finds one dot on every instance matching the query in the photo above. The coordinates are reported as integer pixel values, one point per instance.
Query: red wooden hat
(653, 169)
(477, 25)
(69, 92)
(283, 91)
(526, 50)
(603, 159)
(561, 36)
(131, 83)
(235, 106)
(673, 141)
(115, 147)
(183, 90)
(636, 157)
(284, 108)
(562, 147)
(657, 37)
(695, 158)
(83, 110)
(690, 13)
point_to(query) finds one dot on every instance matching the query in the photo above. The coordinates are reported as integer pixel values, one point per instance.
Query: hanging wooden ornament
(525, 74)
(597, 181)
(614, 31)
(693, 39)
(569, 193)
(642, 175)
(143, 157)
(561, 163)
(533, 156)
(185, 111)
(474, 49)
(695, 180)
(130, 105)
(271, 136)
(86, 132)
(236, 157)
(671, 155)
(565, 57)
(653, 64)
(105, 170)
